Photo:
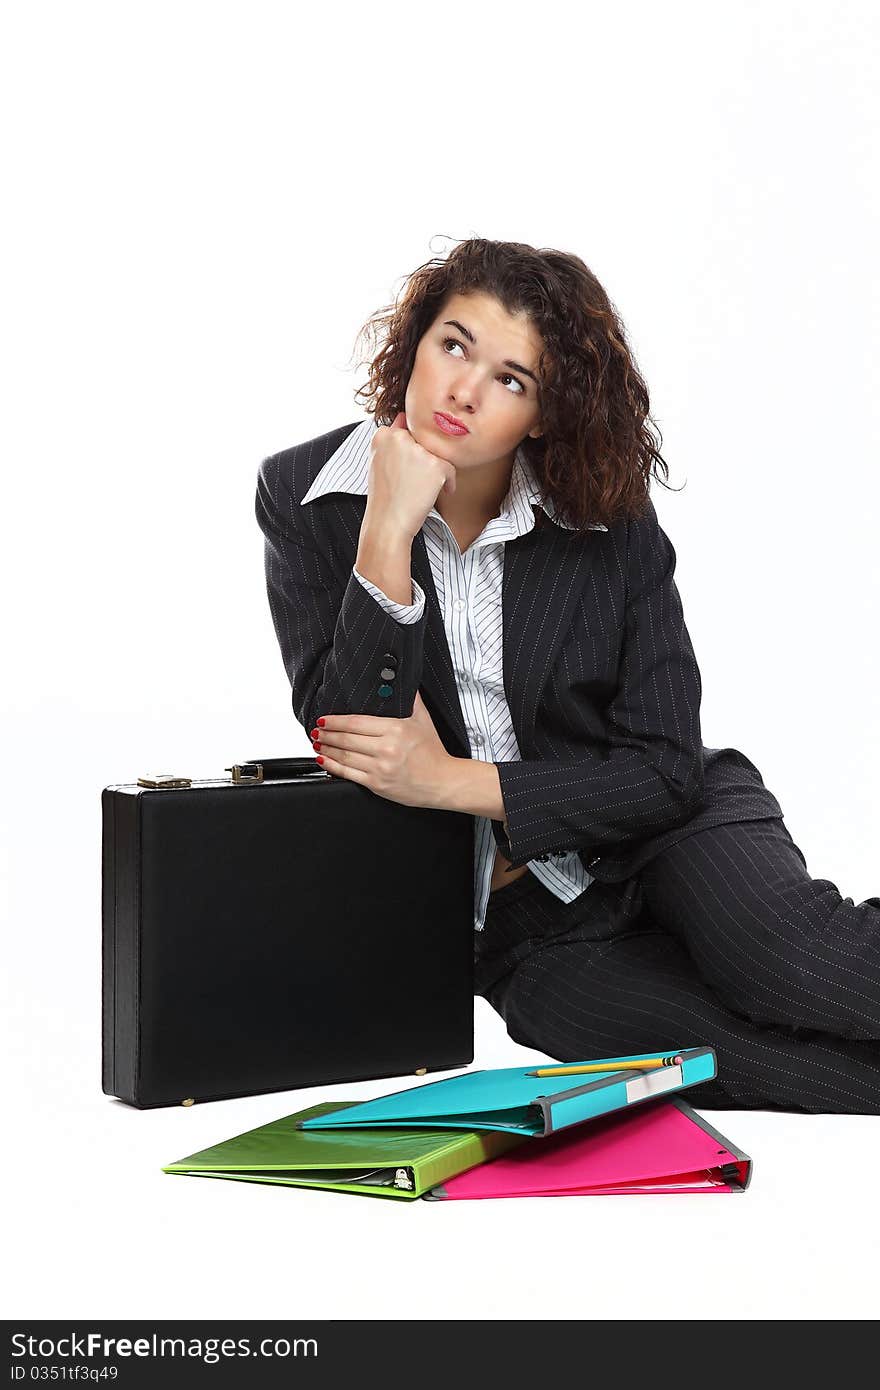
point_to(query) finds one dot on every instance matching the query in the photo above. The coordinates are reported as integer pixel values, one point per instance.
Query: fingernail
(319, 760)
(321, 722)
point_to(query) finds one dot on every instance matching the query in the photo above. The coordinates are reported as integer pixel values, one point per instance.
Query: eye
(505, 376)
(452, 340)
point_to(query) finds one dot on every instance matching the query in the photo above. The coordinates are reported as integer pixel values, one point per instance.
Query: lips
(449, 423)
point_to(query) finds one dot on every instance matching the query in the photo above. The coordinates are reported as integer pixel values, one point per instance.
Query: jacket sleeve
(335, 637)
(650, 775)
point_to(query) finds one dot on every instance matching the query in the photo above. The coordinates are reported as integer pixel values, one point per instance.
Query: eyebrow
(517, 366)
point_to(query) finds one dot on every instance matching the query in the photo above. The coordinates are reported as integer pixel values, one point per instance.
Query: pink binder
(660, 1147)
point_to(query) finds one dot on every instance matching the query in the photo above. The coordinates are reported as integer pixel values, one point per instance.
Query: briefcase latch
(241, 772)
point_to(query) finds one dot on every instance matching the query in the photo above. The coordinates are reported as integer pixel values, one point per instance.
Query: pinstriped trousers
(723, 939)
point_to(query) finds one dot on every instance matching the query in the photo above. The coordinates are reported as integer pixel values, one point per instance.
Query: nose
(463, 395)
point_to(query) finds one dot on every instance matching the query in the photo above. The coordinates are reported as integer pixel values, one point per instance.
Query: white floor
(93, 1228)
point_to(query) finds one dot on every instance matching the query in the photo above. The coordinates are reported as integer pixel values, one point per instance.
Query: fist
(405, 480)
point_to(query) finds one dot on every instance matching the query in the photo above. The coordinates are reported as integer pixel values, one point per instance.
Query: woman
(476, 611)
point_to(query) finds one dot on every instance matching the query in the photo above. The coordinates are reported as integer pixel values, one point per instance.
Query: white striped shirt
(469, 594)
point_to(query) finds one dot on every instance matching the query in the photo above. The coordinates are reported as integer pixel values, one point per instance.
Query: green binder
(375, 1163)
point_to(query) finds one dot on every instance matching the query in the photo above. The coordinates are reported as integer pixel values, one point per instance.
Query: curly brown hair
(599, 445)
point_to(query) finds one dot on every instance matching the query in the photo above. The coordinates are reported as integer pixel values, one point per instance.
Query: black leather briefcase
(280, 928)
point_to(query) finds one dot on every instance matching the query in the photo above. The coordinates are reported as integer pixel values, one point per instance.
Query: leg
(609, 981)
(775, 944)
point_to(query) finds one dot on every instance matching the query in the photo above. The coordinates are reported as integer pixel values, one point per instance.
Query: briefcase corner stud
(163, 779)
(190, 1100)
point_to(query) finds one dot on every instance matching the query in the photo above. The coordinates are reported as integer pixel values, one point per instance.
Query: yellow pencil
(645, 1063)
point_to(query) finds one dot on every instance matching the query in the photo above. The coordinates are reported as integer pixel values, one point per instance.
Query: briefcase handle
(273, 769)
(257, 770)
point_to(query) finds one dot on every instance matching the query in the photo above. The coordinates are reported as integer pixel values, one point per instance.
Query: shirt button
(458, 604)
(477, 737)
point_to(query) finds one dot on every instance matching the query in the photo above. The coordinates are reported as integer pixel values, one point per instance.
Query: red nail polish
(321, 722)
(316, 745)
(319, 760)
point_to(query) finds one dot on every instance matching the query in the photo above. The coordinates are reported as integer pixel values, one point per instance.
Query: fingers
(348, 771)
(362, 744)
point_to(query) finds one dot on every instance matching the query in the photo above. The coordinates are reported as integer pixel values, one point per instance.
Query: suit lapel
(544, 576)
(545, 572)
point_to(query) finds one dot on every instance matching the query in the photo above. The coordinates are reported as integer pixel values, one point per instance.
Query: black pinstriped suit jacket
(599, 672)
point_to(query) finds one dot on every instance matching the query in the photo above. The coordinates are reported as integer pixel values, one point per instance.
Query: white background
(204, 202)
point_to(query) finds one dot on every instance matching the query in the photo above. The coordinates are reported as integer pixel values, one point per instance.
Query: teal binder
(512, 1100)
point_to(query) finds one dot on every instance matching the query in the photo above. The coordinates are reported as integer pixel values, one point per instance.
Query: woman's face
(463, 368)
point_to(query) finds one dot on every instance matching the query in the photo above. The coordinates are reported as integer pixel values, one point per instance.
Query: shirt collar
(348, 469)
